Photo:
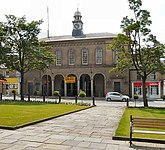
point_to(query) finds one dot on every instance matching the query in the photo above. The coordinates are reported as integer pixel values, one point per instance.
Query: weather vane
(77, 6)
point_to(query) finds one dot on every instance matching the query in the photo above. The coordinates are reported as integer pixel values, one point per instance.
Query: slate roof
(86, 36)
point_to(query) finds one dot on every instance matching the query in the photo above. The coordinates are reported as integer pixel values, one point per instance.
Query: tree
(20, 47)
(137, 47)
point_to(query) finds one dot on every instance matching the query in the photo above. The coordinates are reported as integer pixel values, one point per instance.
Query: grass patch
(123, 128)
(18, 113)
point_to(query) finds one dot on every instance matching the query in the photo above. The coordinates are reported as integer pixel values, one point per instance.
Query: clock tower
(77, 25)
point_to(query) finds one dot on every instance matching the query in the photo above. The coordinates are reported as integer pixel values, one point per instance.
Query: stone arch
(72, 87)
(59, 84)
(98, 82)
(85, 84)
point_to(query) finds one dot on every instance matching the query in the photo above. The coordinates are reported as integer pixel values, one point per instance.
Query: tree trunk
(144, 92)
(22, 86)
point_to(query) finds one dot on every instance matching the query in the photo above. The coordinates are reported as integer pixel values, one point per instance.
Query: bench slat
(162, 119)
(141, 120)
(150, 123)
(148, 132)
(147, 126)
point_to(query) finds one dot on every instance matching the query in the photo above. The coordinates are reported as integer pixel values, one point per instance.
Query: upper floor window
(116, 56)
(99, 56)
(138, 77)
(84, 56)
(58, 58)
(153, 76)
(71, 57)
(7, 73)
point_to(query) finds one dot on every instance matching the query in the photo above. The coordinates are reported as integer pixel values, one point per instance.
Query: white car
(116, 96)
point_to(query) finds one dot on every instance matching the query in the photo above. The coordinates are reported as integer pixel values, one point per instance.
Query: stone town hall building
(86, 60)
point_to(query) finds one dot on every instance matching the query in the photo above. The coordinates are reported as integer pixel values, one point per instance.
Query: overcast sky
(97, 15)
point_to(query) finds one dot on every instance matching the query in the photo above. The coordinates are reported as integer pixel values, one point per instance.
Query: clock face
(76, 26)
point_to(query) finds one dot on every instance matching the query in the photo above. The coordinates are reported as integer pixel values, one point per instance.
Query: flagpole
(48, 21)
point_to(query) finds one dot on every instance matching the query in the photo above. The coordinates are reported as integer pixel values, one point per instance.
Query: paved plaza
(90, 129)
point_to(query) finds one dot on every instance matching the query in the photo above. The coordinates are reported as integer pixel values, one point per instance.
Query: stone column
(105, 86)
(65, 89)
(91, 87)
(78, 86)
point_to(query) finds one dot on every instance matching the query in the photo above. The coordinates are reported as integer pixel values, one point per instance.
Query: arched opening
(46, 85)
(85, 84)
(59, 84)
(98, 85)
(72, 87)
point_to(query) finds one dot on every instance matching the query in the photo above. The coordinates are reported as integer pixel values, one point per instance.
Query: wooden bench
(146, 126)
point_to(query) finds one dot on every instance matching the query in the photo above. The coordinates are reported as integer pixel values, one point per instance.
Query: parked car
(116, 96)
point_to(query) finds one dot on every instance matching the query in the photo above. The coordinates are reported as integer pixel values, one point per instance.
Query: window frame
(84, 61)
(71, 57)
(57, 57)
(153, 76)
(99, 58)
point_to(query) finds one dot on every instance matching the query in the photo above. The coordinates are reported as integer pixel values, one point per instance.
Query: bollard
(127, 102)
(14, 95)
(44, 97)
(59, 99)
(94, 101)
(28, 97)
(75, 99)
(1, 96)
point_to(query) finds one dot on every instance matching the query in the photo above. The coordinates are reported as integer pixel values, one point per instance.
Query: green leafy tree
(20, 47)
(2, 77)
(137, 47)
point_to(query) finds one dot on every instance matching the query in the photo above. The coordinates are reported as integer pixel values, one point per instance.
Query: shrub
(135, 97)
(56, 93)
(35, 93)
(82, 94)
(13, 91)
(163, 97)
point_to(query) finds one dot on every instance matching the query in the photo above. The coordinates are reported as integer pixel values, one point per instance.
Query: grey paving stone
(34, 139)
(71, 142)
(84, 144)
(100, 146)
(54, 141)
(111, 147)
(64, 137)
(4, 146)
(88, 139)
(7, 141)
(81, 148)
(5, 133)
(17, 147)
(54, 147)
(28, 143)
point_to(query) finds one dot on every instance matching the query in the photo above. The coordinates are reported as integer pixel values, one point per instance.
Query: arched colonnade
(92, 85)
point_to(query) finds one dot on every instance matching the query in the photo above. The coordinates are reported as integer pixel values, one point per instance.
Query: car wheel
(124, 99)
(108, 99)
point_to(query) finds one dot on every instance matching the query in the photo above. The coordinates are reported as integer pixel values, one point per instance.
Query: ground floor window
(152, 89)
(138, 90)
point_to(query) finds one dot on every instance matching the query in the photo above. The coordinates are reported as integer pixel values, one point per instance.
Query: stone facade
(93, 77)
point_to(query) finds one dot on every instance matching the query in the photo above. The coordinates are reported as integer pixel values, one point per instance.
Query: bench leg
(130, 138)
(130, 142)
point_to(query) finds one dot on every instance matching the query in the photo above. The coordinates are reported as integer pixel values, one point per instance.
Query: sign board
(13, 80)
(147, 83)
(70, 79)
